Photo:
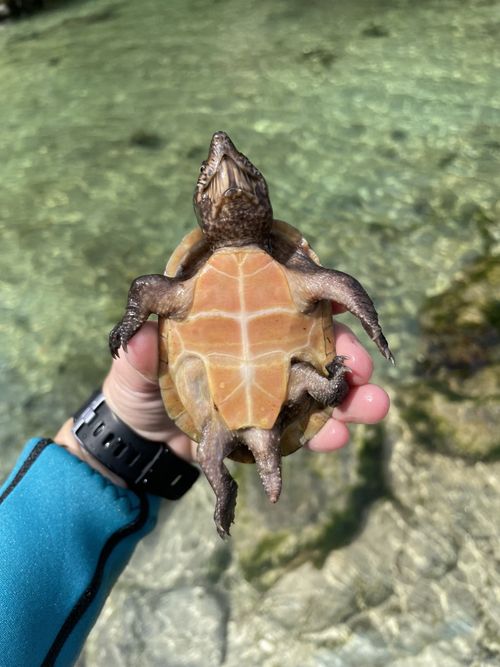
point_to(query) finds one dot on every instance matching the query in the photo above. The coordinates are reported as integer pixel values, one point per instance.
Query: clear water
(375, 123)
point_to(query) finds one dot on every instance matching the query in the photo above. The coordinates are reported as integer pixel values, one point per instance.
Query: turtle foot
(338, 388)
(119, 336)
(224, 509)
(337, 367)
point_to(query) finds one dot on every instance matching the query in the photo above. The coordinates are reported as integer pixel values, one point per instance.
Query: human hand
(132, 392)
(365, 403)
(131, 389)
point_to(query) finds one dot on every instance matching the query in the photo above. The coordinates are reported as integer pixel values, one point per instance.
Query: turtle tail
(265, 446)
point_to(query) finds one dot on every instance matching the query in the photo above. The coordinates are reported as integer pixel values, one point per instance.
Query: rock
(453, 405)
(461, 326)
(419, 585)
(322, 507)
(190, 617)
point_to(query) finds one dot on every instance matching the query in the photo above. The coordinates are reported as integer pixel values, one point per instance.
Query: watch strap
(143, 464)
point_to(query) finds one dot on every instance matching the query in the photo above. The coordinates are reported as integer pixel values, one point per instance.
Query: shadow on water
(23, 10)
(339, 528)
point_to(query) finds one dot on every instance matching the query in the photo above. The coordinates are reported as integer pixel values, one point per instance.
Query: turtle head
(231, 200)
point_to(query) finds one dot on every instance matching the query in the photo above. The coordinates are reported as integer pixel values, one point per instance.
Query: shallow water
(376, 125)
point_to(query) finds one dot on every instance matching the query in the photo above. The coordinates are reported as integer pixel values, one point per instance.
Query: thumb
(131, 387)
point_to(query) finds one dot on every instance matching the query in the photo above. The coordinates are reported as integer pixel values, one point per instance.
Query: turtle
(248, 367)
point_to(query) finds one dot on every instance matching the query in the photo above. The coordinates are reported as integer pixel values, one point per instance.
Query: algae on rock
(334, 493)
(453, 406)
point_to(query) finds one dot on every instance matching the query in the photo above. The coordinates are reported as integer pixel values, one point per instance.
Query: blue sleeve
(66, 533)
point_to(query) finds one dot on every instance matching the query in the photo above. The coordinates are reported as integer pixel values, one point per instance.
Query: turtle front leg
(318, 283)
(148, 294)
(216, 443)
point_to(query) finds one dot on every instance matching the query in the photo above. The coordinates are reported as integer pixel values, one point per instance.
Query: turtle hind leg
(338, 385)
(217, 443)
(265, 446)
(330, 390)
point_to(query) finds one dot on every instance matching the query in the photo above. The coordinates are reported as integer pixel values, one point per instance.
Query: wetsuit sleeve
(66, 533)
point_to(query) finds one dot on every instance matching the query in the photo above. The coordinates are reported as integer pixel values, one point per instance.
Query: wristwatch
(145, 465)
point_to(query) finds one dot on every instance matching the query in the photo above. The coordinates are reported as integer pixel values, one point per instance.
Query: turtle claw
(382, 344)
(223, 525)
(223, 530)
(337, 367)
(118, 337)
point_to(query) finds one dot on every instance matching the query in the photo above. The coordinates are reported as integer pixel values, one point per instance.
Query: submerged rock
(461, 326)
(322, 508)
(418, 585)
(453, 406)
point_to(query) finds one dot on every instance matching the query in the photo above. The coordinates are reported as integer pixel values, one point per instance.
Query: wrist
(65, 438)
(150, 421)
(99, 437)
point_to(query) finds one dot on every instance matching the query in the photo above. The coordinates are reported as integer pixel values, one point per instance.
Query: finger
(359, 361)
(142, 352)
(132, 391)
(367, 404)
(332, 436)
(134, 373)
(131, 386)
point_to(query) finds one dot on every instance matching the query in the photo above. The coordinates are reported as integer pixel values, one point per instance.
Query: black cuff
(143, 464)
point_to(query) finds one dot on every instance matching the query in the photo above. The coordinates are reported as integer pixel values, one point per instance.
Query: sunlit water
(375, 123)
